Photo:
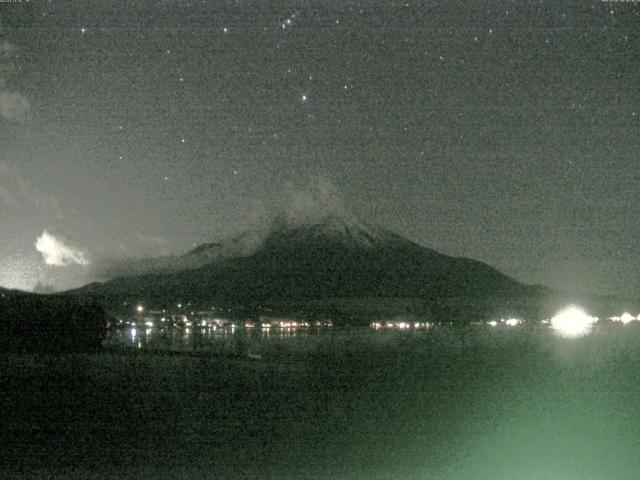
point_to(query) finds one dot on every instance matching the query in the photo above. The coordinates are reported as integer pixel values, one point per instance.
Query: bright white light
(572, 322)
(139, 309)
(149, 324)
(493, 323)
(512, 322)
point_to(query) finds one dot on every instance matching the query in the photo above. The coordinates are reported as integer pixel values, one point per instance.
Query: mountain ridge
(320, 258)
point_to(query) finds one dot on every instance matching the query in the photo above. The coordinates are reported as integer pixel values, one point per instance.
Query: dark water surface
(441, 403)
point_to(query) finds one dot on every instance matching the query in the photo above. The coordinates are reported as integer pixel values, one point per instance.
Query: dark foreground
(504, 403)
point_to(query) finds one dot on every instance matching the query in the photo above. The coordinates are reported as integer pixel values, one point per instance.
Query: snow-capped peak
(335, 227)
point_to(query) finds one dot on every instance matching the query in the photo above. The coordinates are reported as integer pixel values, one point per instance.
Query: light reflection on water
(209, 338)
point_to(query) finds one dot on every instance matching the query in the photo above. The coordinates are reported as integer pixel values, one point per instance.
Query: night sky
(504, 131)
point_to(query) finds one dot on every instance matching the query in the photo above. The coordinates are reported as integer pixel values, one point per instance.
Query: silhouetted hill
(50, 323)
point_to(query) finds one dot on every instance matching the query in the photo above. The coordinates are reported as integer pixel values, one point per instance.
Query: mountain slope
(326, 258)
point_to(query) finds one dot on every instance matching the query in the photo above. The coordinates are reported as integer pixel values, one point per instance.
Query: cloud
(56, 253)
(13, 105)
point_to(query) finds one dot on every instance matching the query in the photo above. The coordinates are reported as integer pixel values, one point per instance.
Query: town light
(572, 322)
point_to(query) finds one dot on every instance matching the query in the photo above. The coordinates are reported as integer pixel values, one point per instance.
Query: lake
(479, 402)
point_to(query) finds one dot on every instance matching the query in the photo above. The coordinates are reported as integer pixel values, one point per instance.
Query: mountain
(333, 256)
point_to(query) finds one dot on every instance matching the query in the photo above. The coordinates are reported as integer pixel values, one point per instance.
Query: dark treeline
(54, 324)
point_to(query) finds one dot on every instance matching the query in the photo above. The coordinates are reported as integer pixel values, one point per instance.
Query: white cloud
(55, 252)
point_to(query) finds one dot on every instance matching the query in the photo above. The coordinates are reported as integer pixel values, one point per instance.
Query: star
(304, 98)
